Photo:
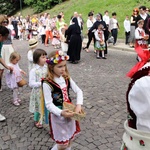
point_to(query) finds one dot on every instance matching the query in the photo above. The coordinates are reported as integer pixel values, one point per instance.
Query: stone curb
(120, 45)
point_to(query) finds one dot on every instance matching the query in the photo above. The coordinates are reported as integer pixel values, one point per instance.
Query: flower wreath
(59, 57)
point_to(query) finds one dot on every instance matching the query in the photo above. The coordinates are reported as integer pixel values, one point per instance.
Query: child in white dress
(37, 72)
(12, 78)
(56, 87)
(32, 45)
(56, 38)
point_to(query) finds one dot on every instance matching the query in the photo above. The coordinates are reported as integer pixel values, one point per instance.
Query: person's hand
(78, 108)
(67, 113)
(10, 68)
(22, 72)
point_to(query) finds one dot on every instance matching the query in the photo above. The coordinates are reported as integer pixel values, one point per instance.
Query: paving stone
(104, 88)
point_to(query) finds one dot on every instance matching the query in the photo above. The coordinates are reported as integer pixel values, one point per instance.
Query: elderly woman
(7, 47)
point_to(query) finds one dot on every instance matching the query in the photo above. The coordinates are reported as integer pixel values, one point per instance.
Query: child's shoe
(16, 103)
(38, 125)
(19, 100)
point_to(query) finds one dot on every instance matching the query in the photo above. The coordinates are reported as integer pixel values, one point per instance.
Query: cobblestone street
(104, 87)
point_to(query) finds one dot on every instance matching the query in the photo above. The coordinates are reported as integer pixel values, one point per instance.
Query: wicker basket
(71, 107)
(22, 82)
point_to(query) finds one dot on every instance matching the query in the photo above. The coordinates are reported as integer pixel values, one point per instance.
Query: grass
(121, 7)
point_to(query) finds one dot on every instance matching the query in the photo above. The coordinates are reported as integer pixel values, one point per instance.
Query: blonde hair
(14, 55)
(50, 72)
(3, 18)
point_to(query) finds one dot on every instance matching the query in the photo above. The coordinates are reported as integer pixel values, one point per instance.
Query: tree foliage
(41, 5)
(8, 6)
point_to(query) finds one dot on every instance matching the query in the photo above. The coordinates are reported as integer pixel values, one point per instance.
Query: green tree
(9, 6)
(41, 5)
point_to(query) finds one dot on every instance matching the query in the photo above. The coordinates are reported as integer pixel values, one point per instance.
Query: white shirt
(48, 94)
(106, 19)
(97, 36)
(126, 24)
(90, 23)
(137, 34)
(113, 24)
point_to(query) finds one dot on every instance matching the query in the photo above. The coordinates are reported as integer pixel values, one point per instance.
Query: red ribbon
(144, 55)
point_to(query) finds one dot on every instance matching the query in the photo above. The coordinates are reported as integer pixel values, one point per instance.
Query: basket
(22, 82)
(101, 43)
(71, 107)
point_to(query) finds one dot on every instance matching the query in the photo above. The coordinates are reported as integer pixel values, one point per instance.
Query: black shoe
(74, 62)
(104, 58)
(98, 57)
(84, 48)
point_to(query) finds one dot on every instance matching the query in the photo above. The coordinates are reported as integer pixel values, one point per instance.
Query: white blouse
(137, 34)
(32, 75)
(48, 94)
(139, 100)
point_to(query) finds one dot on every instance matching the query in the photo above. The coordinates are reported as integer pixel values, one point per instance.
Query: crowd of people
(48, 94)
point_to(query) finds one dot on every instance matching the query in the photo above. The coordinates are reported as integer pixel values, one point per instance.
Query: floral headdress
(59, 57)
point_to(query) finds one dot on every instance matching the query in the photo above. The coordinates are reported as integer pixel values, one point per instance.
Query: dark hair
(90, 14)
(106, 11)
(142, 7)
(4, 31)
(114, 14)
(59, 16)
(37, 54)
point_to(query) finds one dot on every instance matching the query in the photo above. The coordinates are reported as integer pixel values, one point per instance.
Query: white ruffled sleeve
(78, 92)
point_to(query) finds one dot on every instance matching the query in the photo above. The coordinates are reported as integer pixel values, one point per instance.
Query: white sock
(97, 53)
(68, 148)
(54, 147)
(103, 54)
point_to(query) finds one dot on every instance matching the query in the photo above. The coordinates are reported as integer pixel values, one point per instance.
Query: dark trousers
(127, 35)
(43, 36)
(114, 33)
(90, 37)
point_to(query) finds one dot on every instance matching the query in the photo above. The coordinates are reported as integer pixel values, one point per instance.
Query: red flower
(141, 143)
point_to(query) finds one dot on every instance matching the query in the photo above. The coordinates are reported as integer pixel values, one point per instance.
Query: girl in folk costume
(141, 38)
(12, 78)
(56, 38)
(37, 72)
(100, 42)
(137, 126)
(32, 45)
(56, 87)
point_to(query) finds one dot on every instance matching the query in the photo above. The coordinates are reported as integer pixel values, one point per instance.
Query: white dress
(14, 77)
(62, 129)
(35, 76)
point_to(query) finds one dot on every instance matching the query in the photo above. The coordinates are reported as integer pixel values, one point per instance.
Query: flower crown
(59, 56)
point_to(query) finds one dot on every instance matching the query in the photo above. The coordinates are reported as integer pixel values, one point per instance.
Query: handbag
(22, 82)
(71, 107)
(111, 39)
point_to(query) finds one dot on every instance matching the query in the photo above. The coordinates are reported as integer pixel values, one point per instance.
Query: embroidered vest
(58, 93)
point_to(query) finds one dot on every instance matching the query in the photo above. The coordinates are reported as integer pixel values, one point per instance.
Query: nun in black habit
(73, 34)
